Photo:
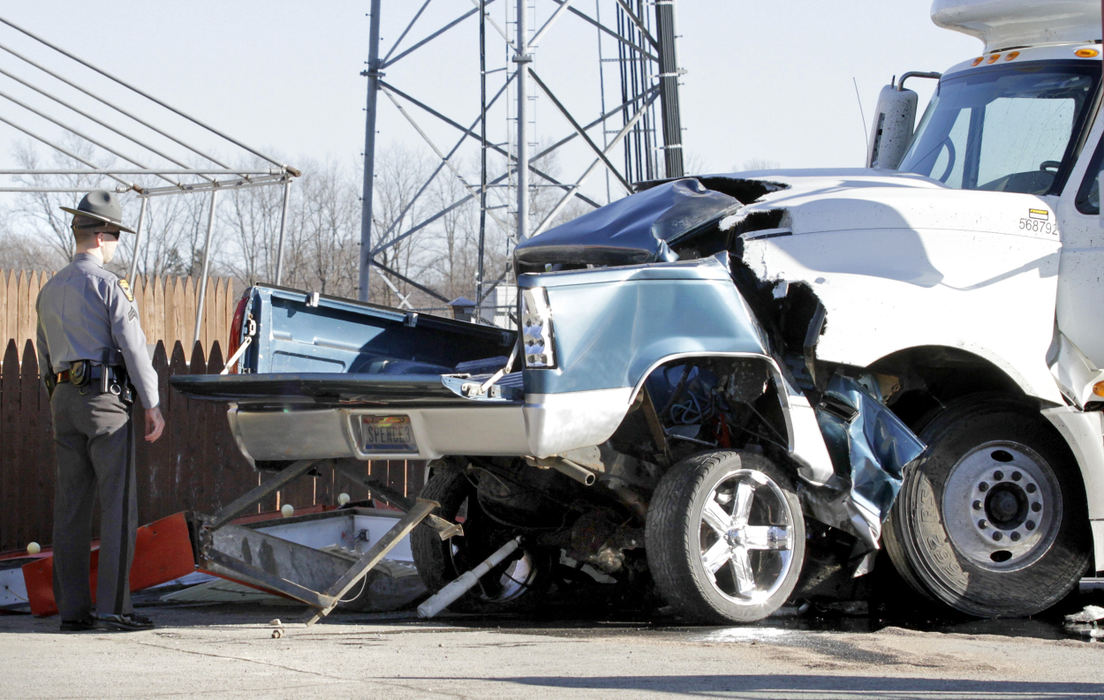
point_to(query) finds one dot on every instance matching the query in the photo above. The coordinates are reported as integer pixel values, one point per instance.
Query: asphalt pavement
(252, 650)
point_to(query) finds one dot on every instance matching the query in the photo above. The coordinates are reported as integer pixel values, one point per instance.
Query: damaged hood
(630, 231)
(649, 226)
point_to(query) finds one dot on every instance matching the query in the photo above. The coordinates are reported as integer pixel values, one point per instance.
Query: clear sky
(765, 81)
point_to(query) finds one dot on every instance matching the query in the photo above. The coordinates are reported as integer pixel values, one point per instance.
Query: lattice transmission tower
(526, 113)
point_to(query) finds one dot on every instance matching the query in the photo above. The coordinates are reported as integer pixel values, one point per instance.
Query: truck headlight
(536, 329)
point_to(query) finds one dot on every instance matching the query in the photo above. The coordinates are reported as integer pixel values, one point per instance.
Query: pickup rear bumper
(541, 427)
(276, 417)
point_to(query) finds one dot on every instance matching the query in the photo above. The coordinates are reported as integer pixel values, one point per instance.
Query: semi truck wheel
(441, 561)
(991, 519)
(725, 537)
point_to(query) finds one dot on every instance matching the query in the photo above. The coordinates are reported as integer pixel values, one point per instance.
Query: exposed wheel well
(928, 378)
(739, 384)
(933, 378)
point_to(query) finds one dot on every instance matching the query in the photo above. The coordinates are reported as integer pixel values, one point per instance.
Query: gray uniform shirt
(84, 313)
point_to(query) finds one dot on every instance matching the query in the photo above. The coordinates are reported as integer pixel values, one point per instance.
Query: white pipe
(450, 593)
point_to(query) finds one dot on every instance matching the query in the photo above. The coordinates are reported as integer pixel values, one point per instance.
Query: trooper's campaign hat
(98, 207)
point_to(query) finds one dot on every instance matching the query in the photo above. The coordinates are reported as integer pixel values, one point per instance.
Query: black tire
(991, 519)
(440, 561)
(747, 579)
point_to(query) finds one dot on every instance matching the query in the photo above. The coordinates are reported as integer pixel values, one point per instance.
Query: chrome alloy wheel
(1002, 506)
(746, 536)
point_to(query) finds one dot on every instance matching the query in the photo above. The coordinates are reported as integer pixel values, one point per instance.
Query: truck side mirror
(894, 121)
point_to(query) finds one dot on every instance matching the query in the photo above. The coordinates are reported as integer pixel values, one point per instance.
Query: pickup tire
(991, 519)
(725, 537)
(439, 562)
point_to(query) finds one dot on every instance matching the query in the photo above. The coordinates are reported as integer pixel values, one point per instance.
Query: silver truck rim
(746, 536)
(1001, 506)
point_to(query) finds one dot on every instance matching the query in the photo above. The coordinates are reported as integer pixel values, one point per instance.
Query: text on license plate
(387, 434)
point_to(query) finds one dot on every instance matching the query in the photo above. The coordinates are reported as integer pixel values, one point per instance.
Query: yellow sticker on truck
(1039, 221)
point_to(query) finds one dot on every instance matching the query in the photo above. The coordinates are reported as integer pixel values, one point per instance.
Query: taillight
(236, 332)
(536, 329)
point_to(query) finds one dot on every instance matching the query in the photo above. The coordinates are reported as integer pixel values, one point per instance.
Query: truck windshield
(1011, 128)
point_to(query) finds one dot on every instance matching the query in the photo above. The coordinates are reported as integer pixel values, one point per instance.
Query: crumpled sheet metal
(632, 230)
(870, 448)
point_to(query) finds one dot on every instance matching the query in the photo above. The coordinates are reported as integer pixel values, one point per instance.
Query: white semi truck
(986, 306)
(718, 382)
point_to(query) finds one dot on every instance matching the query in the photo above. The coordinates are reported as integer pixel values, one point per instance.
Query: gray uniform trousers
(95, 445)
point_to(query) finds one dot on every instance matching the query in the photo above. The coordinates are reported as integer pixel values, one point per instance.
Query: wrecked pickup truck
(650, 424)
(720, 383)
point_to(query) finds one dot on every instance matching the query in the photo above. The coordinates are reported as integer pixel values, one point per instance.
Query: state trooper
(93, 358)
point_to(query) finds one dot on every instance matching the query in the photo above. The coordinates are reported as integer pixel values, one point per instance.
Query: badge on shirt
(125, 286)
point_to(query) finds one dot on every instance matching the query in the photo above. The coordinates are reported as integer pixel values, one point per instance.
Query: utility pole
(522, 59)
(369, 153)
(668, 88)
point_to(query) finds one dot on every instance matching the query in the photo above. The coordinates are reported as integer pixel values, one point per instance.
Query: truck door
(1080, 305)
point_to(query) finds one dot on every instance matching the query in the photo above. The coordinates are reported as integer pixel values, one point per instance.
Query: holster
(108, 379)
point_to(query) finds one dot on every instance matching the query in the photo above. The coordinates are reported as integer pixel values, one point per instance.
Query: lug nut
(1016, 476)
(998, 475)
(997, 537)
(977, 505)
(1036, 507)
(1015, 536)
(1030, 488)
(1030, 524)
(983, 524)
(983, 487)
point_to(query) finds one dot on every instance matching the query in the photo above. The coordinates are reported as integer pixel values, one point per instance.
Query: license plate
(387, 434)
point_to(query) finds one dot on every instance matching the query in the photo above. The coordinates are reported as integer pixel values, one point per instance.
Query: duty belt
(110, 379)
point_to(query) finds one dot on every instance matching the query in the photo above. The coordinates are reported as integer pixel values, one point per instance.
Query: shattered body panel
(898, 261)
(625, 322)
(918, 270)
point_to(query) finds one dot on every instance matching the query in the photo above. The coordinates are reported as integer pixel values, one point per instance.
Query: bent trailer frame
(315, 577)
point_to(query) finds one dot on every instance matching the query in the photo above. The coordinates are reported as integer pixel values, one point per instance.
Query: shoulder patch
(125, 286)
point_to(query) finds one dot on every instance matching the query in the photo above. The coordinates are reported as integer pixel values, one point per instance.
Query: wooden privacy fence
(194, 466)
(166, 307)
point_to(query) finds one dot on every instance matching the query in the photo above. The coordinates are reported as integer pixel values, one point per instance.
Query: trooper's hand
(155, 424)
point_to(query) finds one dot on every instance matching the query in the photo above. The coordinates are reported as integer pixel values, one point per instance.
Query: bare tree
(249, 229)
(454, 240)
(324, 229)
(40, 237)
(25, 252)
(38, 212)
(171, 236)
(399, 206)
